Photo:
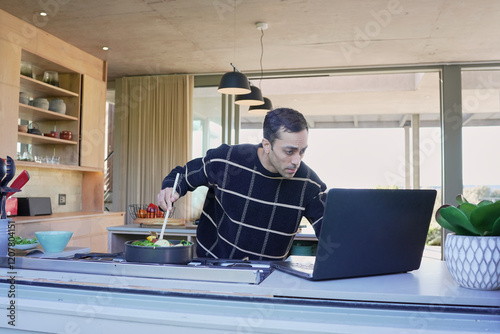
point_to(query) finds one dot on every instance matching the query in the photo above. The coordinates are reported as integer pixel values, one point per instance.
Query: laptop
(367, 232)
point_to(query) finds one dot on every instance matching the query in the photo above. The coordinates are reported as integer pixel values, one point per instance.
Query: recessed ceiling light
(43, 13)
(105, 48)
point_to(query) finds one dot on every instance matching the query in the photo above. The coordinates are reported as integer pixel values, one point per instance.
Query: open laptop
(367, 232)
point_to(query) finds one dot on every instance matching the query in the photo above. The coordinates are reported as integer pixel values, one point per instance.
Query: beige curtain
(153, 124)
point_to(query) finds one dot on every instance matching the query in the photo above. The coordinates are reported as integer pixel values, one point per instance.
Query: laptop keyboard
(302, 266)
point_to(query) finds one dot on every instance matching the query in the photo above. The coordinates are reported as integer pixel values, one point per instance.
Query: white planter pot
(473, 262)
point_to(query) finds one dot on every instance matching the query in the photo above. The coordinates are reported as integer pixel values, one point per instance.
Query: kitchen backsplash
(46, 182)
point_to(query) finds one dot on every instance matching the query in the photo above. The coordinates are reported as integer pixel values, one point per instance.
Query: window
(480, 134)
(362, 126)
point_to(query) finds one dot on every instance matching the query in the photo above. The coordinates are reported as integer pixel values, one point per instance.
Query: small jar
(66, 135)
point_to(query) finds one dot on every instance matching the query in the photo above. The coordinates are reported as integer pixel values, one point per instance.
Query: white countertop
(426, 300)
(431, 284)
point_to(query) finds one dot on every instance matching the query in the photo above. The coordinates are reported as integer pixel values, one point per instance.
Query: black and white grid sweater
(249, 211)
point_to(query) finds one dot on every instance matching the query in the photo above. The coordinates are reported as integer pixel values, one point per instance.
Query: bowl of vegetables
(152, 250)
(25, 243)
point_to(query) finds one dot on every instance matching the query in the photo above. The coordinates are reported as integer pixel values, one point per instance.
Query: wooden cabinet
(68, 90)
(82, 86)
(93, 129)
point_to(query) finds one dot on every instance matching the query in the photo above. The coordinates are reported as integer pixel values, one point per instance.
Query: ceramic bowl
(41, 103)
(24, 98)
(52, 134)
(58, 106)
(53, 241)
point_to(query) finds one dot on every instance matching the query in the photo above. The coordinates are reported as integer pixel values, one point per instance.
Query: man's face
(287, 152)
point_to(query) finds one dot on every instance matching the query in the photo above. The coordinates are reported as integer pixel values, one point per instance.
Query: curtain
(153, 125)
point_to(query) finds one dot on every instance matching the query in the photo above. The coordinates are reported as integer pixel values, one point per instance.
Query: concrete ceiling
(204, 36)
(147, 37)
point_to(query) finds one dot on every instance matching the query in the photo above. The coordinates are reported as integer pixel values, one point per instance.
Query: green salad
(25, 241)
(152, 243)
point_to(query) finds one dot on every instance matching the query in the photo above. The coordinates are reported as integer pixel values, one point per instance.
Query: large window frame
(451, 115)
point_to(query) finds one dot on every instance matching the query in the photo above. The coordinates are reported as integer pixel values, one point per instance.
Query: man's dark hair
(290, 120)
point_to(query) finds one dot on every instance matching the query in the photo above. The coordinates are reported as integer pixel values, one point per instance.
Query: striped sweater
(249, 211)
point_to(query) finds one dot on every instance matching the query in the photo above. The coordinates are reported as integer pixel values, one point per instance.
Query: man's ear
(266, 145)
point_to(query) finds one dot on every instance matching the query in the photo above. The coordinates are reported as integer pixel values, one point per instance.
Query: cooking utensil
(3, 200)
(6, 190)
(11, 171)
(168, 211)
(3, 169)
(19, 182)
(150, 254)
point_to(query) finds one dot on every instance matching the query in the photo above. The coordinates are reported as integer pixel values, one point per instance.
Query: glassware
(51, 77)
(26, 69)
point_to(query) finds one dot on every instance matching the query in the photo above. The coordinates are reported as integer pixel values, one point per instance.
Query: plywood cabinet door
(93, 116)
(9, 97)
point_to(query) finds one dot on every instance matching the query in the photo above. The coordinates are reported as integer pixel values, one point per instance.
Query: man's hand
(166, 199)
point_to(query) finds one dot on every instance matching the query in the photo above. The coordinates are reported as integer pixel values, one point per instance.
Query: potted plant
(472, 250)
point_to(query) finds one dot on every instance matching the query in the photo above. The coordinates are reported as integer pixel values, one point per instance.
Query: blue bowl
(53, 241)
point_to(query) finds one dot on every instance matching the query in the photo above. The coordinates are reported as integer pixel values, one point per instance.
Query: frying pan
(163, 255)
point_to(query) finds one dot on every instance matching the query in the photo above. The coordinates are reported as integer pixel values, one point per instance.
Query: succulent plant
(482, 219)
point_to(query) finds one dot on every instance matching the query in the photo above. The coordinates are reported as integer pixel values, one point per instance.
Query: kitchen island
(422, 301)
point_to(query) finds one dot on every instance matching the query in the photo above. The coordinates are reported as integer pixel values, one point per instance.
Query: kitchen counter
(426, 300)
(57, 216)
(89, 228)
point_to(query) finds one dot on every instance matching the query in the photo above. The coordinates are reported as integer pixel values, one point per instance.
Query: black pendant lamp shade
(235, 83)
(263, 108)
(254, 98)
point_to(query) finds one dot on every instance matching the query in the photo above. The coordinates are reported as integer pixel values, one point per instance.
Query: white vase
(473, 261)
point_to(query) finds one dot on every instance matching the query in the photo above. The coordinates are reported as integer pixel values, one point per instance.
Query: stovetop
(201, 269)
(206, 262)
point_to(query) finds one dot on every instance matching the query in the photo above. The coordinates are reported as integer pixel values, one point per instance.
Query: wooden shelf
(28, 164)
(28, 138)
(35, 114)
(40, 64)
(38, 88)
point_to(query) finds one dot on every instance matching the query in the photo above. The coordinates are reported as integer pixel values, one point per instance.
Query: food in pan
(153, 242)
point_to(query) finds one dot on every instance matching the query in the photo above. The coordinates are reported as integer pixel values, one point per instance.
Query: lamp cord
(261, 56)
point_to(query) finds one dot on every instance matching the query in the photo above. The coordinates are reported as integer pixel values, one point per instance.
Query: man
(257, 194)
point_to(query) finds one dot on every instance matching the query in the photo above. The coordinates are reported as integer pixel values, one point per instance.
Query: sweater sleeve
(193, 174)
(315, 208)
(314, 212)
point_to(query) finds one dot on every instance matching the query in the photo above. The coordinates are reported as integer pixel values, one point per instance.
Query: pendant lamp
(263, 108)
(254, 98)
(234, 83)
